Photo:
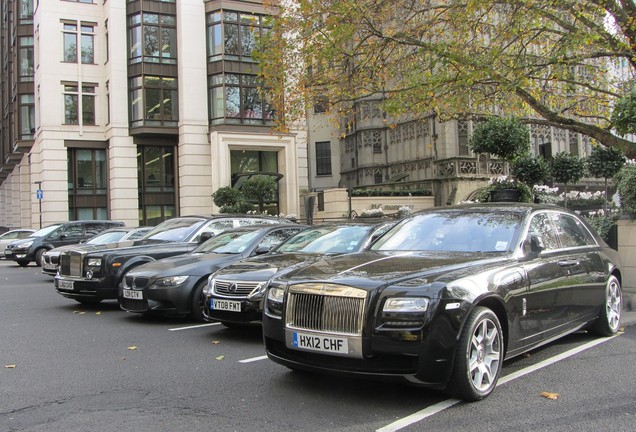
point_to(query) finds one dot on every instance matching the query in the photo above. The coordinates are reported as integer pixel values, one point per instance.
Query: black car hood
(263, 267)
(188, 264)
(380, 268)
(132, 247)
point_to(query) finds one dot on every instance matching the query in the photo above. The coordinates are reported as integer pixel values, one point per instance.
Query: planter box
(627, 250)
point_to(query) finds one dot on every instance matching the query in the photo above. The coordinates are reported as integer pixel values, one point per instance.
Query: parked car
(234, 294)
(445, 296)
(11, 236)
(51, 258)
(33, 247)
(90, 276)
(173, 286)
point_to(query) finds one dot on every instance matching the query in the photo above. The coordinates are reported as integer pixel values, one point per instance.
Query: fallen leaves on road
(132, 348)
(98, 313)
(551, 396)
(10, 366)
(220, 357)
(216, 342)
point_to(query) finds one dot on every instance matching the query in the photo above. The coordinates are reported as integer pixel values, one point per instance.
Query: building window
(462, 138)
(27, 116)
(25, 58)
(106, 42)
(87, 184)
(234, 35)
(70, 43)
(243, 162)
(573, 140)
(86, 36)
(25, 11)
(321, 104)
(323, 158)
(72, 99)
(156, 178)
(377, 178)
(152, 38)
(237, 98)
(153, 101)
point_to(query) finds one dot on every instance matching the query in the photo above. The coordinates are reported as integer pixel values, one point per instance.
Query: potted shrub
(566, 168)
(508, 139)
(605, 162)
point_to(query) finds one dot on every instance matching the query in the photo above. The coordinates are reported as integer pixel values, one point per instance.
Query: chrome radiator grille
(234, 288)
(71, 264)
(326, 308)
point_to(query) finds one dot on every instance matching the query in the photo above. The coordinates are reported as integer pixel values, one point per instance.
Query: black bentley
(445, 296)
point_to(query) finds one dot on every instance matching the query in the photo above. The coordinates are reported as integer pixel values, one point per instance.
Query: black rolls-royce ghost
(445, 296)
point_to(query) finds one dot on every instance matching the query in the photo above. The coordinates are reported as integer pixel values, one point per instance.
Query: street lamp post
(39, 195)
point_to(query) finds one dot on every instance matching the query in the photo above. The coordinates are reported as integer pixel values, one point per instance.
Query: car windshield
(232, 242)
(107, 237)
(327, 239)
(453, 231)
(174, 229)
(45, 231)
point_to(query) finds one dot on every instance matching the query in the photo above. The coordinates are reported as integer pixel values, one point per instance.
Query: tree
(530, 170)
(605, 162)
(260, 188)
(231, 200)
(566, 168)
(551, 62)
(505, 138)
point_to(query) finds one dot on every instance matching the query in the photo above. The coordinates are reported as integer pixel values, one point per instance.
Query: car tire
(479, 357)
(38, 257)
(196, 305)
(23, 263)
(609, 319)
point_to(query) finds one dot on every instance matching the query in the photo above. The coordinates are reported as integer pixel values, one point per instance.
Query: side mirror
(63, 236)
(262, 250)
(533, 246)
(205, 236)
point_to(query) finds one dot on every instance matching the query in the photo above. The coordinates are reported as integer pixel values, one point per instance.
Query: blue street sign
(38, 194)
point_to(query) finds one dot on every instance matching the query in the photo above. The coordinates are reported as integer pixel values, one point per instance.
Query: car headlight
(258, 291)
(276, 294)
(25, 245)
(171, 281)
(207, 289)
(406, 304)
(94, 262)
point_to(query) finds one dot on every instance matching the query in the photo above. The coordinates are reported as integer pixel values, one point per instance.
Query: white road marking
(441, 406)
(193, 327)
(253, 359)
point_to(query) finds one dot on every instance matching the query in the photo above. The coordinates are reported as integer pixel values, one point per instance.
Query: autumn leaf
(98, 313)
(82, 313)
(551, 396)
(10, 366)
(216, 342)
(132, 348)
(220, 357)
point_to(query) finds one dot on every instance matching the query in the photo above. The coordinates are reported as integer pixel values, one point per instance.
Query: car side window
(542, 227)
(571, 232)
(216, 227)
(94, 228)
(277, 237)
(72, 231)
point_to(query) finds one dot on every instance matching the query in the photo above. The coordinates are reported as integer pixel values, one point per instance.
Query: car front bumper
(89, 289)
(174, 300)
(250, 311)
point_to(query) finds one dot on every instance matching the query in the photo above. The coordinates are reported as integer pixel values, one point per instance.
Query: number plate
(132, 294)
(225, 305)
(67, 285)
(326, 344)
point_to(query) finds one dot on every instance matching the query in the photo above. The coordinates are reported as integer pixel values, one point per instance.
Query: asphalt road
(80, 368)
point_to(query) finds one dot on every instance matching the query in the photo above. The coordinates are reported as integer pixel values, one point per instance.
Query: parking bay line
(441, 406)
(253, 359)
(194, 326)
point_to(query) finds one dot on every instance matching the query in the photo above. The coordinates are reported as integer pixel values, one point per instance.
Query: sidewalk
(629, 317)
